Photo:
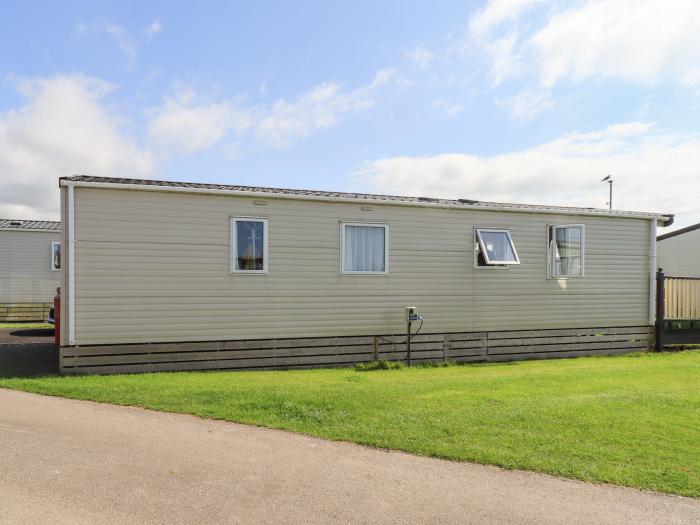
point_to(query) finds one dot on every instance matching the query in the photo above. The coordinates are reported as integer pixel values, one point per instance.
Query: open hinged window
(566, 250)
(495, 248)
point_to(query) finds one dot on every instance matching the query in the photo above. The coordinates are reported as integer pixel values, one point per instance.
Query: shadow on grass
(28, 360)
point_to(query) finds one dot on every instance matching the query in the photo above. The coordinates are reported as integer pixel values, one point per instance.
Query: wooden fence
(347, 351)
(677, 310)
(682, 298)
(13, 312)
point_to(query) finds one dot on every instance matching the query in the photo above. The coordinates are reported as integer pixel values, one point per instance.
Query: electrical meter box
(411, 314)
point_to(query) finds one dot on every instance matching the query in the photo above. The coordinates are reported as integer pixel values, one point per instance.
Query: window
(566, 251)
(364, 248)
(248, 245)
(495, 248)
(55, 255)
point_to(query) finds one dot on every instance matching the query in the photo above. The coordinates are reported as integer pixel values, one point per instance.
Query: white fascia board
(273, 195)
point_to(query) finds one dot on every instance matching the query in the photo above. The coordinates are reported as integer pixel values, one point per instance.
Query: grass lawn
(631, 420)
(25, 325)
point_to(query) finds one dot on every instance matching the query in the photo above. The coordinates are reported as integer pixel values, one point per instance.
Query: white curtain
(364, 249)
(567, 255)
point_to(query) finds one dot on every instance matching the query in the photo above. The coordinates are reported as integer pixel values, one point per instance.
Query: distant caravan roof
(21, 224)
(678, 232)
(196, 187)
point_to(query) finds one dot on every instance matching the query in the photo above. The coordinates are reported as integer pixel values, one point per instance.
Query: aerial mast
(609, 180)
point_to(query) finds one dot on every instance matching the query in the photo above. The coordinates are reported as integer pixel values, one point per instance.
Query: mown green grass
(632, 420)
(25, 325)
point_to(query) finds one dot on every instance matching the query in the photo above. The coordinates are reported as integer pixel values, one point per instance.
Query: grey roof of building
(362, 197)
(21, 224)
(678, 232)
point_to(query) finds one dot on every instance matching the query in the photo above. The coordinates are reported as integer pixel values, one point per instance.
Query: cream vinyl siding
(25, 267)
(154, 267)
(680, 255)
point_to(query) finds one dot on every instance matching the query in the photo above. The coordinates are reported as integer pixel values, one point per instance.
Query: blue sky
(507, 100)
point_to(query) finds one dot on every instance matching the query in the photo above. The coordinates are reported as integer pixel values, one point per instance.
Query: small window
(55, 255)
(364, 248)
(248, 245)
(566, 251)
(495, 248)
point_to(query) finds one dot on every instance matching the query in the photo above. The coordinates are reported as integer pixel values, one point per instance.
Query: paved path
(27, 352)
(65, 461)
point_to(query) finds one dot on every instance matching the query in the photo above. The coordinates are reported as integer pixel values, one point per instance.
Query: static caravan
(181, 276)
(679, 252)
(30, 263)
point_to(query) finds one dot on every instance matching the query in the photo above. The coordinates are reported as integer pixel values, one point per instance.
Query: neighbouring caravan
(30, 263)
(180, 276)
(679, 252)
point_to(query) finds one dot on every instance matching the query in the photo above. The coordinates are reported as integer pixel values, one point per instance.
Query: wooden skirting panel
(347, 351)
(11, 312)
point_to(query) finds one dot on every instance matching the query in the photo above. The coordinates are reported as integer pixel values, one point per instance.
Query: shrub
(436, 364)
(378, 365)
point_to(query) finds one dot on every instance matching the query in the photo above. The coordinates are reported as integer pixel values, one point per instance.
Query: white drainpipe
(652, 273)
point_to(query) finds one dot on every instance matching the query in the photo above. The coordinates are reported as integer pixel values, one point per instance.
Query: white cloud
(527, 105)
(180, 125)
(654, 170)
(129, 41)
(496, 12)
(420, 56)
(381, 77)
(500, 45)
(62, 129)
(506, 61)
(155, 28)
(445, 108)
(640, 40)
(644, 41)
(319, 108)
(123, 41)
(184, 124)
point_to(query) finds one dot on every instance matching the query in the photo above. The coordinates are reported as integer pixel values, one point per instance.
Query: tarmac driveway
(27, 352)
(67, 461)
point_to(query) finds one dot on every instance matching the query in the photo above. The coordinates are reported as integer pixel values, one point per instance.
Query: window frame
(234, 245)
(478, 243)
(551, 263)
(60, 250)
(343, 224)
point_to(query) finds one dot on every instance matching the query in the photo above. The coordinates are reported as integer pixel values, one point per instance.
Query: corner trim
(71, 263)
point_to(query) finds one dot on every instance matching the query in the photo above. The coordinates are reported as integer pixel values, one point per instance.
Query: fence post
(660, 309)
